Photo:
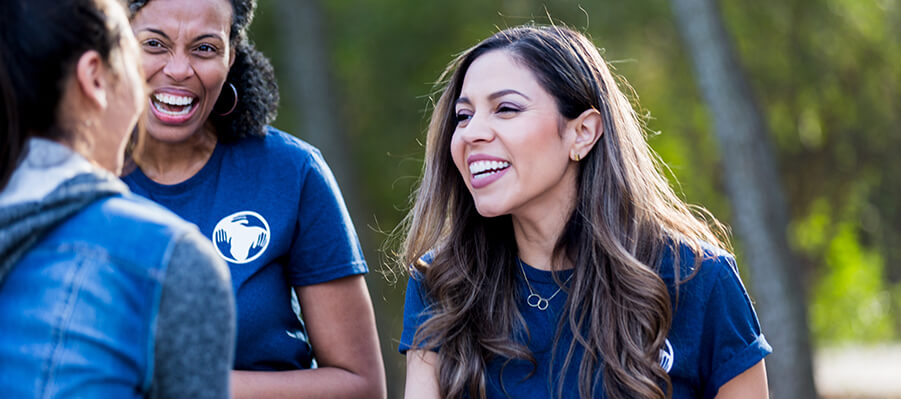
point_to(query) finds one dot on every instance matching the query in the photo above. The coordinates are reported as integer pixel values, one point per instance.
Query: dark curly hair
(251, 74)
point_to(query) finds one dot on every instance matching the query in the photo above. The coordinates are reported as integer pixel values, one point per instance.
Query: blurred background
(819, 82)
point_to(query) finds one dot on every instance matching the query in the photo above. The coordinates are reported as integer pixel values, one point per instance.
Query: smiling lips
(173, 107)
(485, 172)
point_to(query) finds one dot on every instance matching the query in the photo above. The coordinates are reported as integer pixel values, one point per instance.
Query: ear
(588, 129)
(231, 56)
(92, 79)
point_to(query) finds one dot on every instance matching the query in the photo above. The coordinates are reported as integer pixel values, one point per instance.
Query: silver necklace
(537, 301)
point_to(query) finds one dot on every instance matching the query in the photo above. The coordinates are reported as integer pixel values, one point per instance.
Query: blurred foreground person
(550, 257)
(266, 199)
(103, 294)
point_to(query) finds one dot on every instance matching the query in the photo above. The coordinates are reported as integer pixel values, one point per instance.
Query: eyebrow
(158, 32)
(208, 35)
(495, 95)
(201, 37)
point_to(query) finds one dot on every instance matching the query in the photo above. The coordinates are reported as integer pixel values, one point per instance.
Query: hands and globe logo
(241, 237)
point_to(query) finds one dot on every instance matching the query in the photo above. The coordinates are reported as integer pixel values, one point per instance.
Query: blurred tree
(307, 73)
(754, 187)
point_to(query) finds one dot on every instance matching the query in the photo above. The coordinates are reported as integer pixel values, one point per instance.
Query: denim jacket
(106, 295)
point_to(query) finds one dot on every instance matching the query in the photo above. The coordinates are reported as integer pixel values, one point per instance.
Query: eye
(509, 109)
(152, 45)
(206, 50)
(462, 117)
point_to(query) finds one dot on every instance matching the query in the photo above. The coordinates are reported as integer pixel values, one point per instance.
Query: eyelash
(153, 43)
(507, 108)
(211, 48)
(203, 48)
(461, 117)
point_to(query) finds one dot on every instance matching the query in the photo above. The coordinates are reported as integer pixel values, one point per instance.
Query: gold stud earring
(575, 156)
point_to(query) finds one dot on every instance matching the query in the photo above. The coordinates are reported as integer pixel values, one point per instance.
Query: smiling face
(186, 56)
(510, 144)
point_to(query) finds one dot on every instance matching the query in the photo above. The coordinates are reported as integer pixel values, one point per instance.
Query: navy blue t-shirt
(715, 334)
(273, 211)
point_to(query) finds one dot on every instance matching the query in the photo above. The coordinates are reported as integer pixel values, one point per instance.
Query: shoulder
(133, 210)
(416, 273)
(276, 143)
(122, 223)
(277, 149)
(417, 269)
(699, 268)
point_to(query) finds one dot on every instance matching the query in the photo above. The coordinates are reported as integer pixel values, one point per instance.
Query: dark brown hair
(625, 216)
(40, 41)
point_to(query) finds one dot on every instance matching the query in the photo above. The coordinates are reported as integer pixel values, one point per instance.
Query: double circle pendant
(536, 301)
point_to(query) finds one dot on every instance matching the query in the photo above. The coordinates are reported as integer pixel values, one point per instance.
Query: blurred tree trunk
(310, 81)
(753, 185)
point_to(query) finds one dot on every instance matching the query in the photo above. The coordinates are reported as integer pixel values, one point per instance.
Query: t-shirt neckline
(174, 189)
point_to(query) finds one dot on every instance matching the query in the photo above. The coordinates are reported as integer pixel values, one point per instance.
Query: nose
(179, 67)
(477, 129)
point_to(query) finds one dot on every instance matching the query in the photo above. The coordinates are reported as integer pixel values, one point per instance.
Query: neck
(538, 226)
(172, 163)
(537, 235)
(94, 146)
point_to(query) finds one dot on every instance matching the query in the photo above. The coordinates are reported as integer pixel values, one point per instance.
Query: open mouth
(172, 108)
(487, 168)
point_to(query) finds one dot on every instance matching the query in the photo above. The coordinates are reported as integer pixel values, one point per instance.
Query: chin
(169, 133)
(488, 211)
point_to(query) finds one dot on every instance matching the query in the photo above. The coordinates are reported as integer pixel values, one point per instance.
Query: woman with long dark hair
(98, 286)
(267, 200)
(550, 257)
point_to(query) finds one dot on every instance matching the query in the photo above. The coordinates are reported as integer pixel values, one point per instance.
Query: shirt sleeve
(732, 340)
(195, 327)
(415, 312)
(326, 246)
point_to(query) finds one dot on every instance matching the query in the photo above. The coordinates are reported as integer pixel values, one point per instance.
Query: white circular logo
(241, 237)
(667, 357)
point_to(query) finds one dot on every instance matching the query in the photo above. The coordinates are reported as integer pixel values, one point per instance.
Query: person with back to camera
(99, 288)
(549, 257)
(267, 201)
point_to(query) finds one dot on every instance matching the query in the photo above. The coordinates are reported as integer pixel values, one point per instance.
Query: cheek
(214, 69)
(456, 149)
(213, 77)
(151, 64)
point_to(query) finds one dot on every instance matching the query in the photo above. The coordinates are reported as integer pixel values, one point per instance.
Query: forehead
(200, 16)
(498, 70)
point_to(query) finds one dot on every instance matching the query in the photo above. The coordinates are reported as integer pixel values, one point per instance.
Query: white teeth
(172, 99)
(185, 111)
(485, 166)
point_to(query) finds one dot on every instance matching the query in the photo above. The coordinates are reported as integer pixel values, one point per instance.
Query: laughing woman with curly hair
(267, 201)
(550, 257)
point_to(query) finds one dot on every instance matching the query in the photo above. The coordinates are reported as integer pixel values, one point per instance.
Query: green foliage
(851, 301)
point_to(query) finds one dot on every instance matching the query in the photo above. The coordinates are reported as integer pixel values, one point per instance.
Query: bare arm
(341, 326)
(750, 384)
(422, 375)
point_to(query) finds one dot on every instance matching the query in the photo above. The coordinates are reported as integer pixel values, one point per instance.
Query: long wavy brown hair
(626, 214)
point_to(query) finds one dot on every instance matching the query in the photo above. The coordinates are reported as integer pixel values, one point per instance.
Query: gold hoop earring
(235, 105)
